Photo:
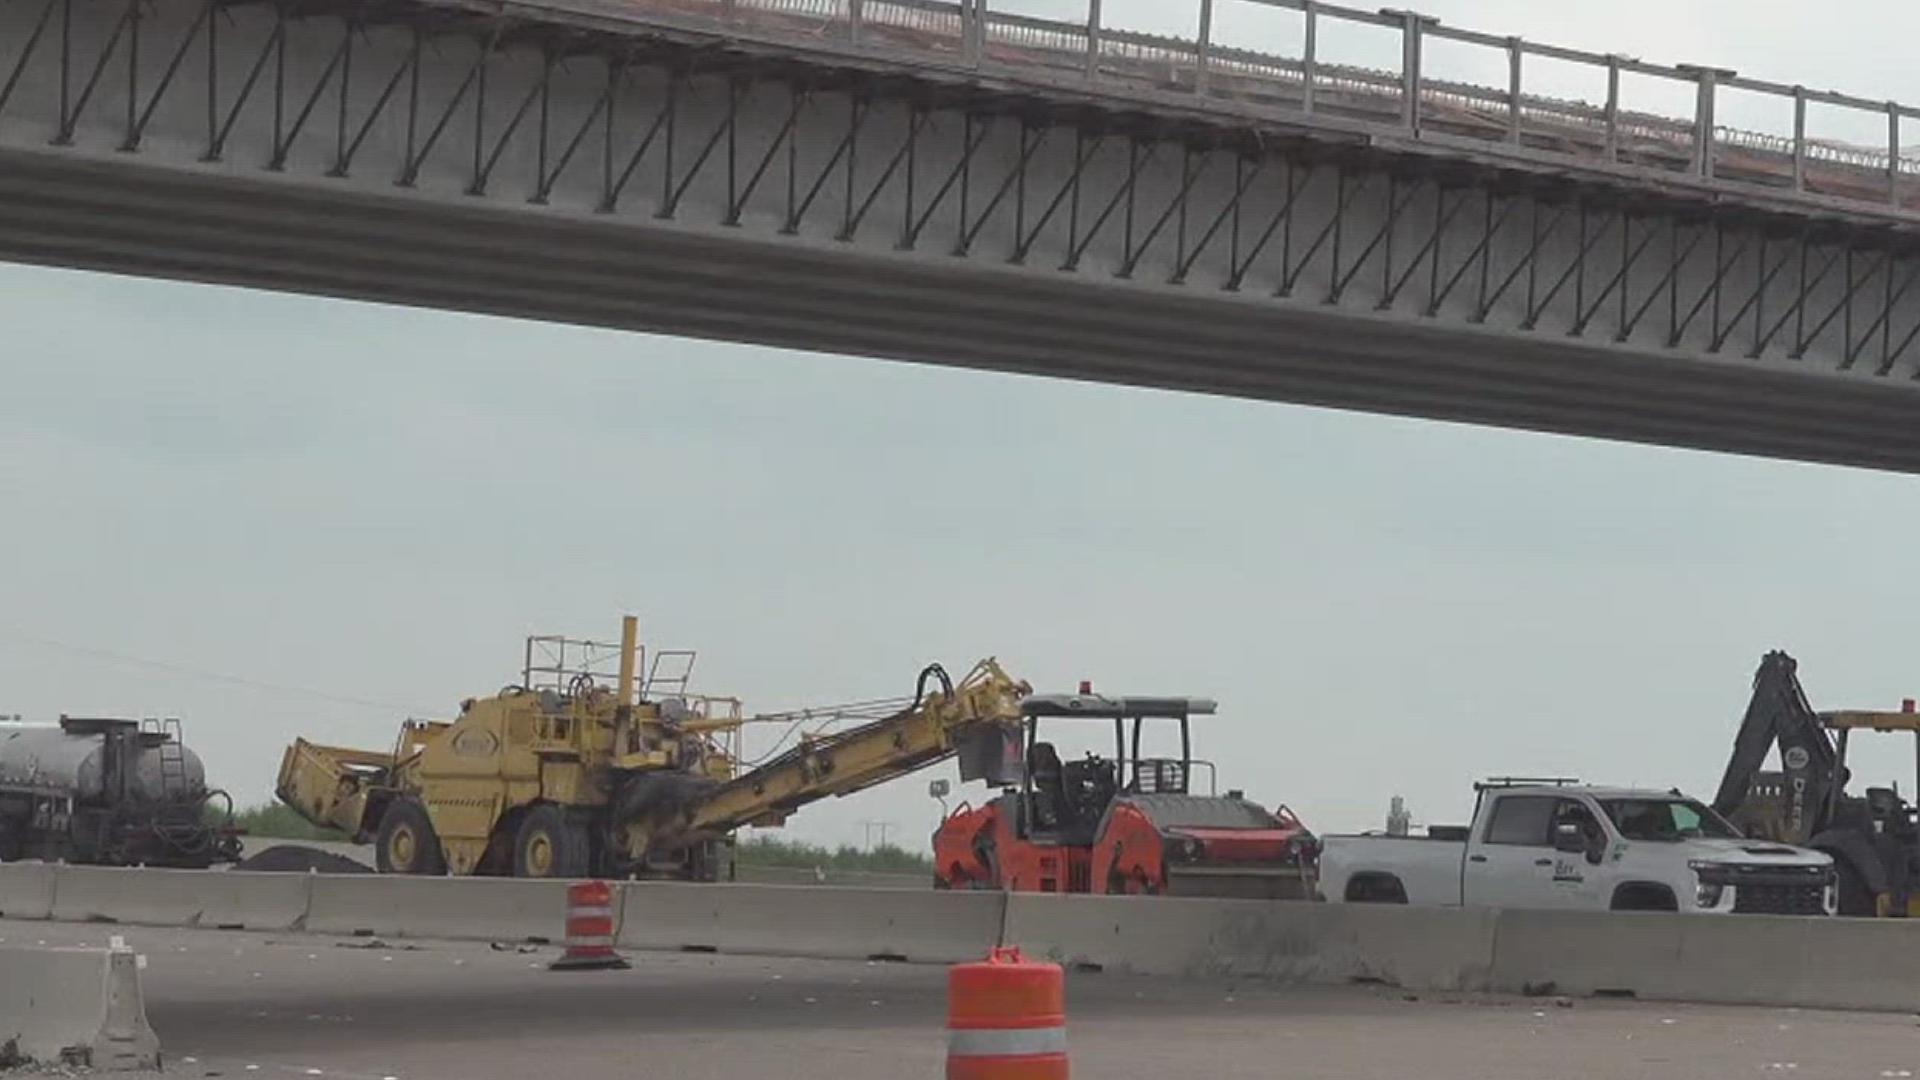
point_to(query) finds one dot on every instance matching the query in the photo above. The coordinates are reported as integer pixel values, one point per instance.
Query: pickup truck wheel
(1644, 896)
(1376, 889)
(406, 843)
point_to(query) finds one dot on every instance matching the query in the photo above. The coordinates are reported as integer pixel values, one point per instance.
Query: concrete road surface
(270, 1006)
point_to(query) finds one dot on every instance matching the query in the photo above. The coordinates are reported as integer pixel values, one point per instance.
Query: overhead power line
(188, 671)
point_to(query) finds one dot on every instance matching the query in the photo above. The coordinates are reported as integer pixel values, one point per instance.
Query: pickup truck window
(1521, 820)
(1575, 811)
(1666, 820)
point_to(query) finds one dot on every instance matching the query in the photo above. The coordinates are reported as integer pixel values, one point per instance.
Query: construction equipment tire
(549, 844)
(406, 843)
(1856, 900)
(607, 861)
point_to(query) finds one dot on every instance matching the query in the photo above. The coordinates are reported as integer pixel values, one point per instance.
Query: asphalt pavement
(235, 1004)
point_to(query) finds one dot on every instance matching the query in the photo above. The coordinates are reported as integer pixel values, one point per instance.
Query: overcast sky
(324, 516)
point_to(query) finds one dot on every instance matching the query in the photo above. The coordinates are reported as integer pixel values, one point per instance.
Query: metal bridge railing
(1406, 100)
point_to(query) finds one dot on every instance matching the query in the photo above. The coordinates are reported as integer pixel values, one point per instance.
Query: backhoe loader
(1874, 839)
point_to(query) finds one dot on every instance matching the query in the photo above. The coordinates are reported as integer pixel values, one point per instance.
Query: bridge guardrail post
(1613, 108)
(1893, 153)
(973, 29)
(1799, 139)
(1516, 65)
(1708, 81)
(1412, 46)
(1410, 71)
(1309, 53)
(1093, 39)
(856, 11)
(1704, 122)
(1203, 47)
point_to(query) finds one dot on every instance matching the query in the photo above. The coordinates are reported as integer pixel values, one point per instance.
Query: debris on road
(298, 859)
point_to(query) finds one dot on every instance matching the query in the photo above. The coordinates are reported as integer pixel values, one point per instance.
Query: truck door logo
(1567, 870)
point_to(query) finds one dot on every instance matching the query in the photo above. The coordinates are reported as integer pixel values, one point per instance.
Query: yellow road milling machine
(565, 776)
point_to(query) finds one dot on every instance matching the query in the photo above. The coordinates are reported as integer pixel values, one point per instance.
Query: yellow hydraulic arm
(924, 733)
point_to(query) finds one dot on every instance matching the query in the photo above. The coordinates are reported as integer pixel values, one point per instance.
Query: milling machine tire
(607, 862)
(549, 844)
(406, 843)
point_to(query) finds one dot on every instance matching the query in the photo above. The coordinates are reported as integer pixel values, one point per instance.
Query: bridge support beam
(650, 177)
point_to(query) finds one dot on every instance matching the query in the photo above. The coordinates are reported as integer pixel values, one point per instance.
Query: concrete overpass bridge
(939, 181)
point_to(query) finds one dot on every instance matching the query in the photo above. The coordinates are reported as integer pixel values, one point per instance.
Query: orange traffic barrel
(1006, 1019)
(590, 930)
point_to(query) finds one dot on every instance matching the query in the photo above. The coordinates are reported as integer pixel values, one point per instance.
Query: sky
(277, 516)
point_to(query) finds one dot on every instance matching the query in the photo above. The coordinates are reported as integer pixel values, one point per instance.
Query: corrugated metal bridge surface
(942, 182)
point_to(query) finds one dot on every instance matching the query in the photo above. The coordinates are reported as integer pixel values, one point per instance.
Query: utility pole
(871, 827)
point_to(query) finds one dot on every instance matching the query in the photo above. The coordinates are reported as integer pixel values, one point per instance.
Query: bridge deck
(1450, 116)
(915, 180)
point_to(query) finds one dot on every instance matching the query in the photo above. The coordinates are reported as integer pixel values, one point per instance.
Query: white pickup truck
(1557, 845)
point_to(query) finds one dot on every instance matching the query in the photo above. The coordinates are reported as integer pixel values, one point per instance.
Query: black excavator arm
(1779, 714)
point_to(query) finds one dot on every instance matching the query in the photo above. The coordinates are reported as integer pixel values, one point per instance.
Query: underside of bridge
(657, 175)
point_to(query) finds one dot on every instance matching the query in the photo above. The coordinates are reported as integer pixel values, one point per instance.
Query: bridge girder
(649, 175)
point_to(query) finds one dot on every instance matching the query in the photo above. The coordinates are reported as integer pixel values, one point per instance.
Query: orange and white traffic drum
(1006, 1019)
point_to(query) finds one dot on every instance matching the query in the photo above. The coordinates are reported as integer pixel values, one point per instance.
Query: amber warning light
(1086, 687)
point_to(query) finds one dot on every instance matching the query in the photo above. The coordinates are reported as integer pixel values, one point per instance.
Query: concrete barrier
(1416, 948)
(1587, 952)
(1128, 934)
(484, 909)
(847, 924)
(215, 900)
(671, 916)
(77, 1007)
(840, 879)
(26, 890)
(1860, 964)
(1423, 948)
(1746, 960)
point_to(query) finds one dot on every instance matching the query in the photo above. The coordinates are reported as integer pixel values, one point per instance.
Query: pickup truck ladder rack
(1493, 783)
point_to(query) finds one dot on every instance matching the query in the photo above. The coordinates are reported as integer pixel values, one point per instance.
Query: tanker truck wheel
(549, 845)
(406, 843)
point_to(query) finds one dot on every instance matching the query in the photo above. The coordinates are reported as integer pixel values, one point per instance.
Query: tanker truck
(108, 792)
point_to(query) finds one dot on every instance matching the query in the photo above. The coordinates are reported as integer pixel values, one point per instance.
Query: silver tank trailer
(53, 760)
